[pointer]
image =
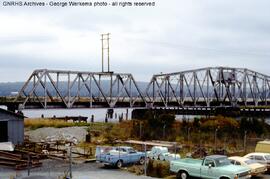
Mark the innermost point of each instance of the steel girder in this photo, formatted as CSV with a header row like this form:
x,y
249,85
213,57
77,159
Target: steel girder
x,y
68,87
212,86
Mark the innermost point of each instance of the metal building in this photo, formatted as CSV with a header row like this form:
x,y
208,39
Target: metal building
x,y
11,127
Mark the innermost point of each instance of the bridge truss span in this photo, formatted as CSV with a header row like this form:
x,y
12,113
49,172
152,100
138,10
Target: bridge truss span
x,y
212,86
73,89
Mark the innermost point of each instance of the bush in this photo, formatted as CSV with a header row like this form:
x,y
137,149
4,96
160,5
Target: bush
x,y
156,168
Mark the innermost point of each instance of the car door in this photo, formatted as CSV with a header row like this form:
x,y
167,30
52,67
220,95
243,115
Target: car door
x,y
208,171
133,156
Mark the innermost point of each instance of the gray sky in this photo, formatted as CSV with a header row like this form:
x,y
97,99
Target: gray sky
x,y
175,35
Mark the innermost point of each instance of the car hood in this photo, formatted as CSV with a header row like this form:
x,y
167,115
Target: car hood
x,y
256,166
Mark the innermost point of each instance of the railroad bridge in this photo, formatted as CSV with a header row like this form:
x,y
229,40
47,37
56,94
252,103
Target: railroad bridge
x,y
205,87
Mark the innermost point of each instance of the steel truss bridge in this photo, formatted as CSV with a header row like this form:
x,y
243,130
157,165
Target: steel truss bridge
x,y
205,87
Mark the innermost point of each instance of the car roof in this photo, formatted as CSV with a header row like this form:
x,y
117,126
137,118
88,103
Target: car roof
x,y
215,156
125,147
257,153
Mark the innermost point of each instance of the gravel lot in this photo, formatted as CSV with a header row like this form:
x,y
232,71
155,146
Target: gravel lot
x,y
53,168
58,133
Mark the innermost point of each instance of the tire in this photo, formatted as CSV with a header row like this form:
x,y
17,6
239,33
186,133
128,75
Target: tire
x,y
142,160
119,164
182,175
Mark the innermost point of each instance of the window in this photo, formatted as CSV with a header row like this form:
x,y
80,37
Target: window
x,y
250,161
232,161
131,151
222,161
257,157
267,157
208,162
237,163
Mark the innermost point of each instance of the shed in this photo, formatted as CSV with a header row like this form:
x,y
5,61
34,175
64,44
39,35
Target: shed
x,y
11,127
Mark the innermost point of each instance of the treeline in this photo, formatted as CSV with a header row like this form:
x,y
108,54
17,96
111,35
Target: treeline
x,y
164,126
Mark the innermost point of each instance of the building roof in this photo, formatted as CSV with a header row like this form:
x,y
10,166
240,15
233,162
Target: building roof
x,y
264,142
12,113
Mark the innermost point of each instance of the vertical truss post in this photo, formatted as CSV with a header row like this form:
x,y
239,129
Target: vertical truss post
x,y
207,87
255,89
167,97
79,85
265,90
245,87
69,93
181,88
130,91
90,92
153,92
99,83
234,80
57,84
194,88
111,86
45,90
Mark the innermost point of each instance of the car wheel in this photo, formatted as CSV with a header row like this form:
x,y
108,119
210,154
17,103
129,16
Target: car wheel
x,y
119,164
142,160
182,175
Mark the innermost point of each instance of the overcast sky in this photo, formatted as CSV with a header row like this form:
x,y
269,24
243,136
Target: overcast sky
x,y
175,35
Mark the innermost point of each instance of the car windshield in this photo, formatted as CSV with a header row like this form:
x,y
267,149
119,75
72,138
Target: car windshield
x,y
222,161
267,157
130,150
250,161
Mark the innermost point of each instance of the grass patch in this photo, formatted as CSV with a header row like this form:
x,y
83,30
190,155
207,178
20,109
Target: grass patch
x,y
35,123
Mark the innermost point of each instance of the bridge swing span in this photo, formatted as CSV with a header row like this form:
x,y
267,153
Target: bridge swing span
x,y
72,89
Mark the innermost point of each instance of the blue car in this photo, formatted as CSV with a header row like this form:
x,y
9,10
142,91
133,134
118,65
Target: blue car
x,y
119,156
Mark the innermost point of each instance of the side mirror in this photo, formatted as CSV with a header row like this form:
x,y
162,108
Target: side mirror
x,y
210,165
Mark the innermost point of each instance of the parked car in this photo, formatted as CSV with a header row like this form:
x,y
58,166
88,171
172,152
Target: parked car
x,y
213,166
119,156
255,167
263,146
263,158
162,153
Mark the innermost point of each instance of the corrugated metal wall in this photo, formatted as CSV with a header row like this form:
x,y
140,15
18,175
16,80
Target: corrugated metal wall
x,y
16,131
15,128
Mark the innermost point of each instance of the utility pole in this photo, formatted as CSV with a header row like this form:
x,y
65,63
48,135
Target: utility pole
x,y
140,130
216,130
245,141
105,45
70,162
145,164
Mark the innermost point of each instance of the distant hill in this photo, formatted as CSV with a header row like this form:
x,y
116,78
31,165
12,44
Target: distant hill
x,y
7,88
